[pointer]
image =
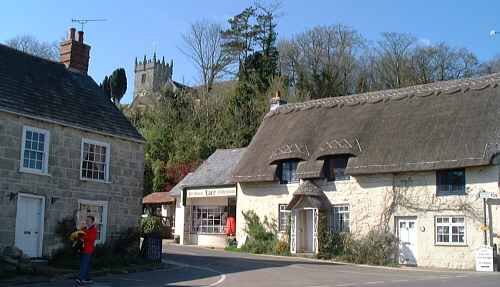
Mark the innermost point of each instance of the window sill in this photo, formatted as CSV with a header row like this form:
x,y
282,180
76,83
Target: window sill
x,y
33,171
451,244
95,180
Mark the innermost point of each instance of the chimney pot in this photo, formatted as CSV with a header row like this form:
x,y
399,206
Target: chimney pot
x,y
71,34
75,54
80,37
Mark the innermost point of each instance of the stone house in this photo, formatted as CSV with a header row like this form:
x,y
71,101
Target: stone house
x,y
65,151
413,161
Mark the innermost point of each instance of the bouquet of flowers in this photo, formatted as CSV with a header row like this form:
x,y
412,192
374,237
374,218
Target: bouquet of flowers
x,y
77,238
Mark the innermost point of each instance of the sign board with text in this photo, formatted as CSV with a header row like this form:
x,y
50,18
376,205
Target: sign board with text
x,y
211,192
484,259
488,194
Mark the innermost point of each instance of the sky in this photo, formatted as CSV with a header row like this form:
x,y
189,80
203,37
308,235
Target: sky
x,y
135,28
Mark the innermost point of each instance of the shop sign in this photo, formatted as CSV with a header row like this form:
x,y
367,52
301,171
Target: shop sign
x,y
484,259
215,192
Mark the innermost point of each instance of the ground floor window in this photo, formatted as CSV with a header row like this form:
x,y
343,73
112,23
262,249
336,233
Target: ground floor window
x,y
283,218
450,230
339,218
97,209
209,219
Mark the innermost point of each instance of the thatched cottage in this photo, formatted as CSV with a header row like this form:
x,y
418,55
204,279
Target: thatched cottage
x,y
412,161
65,151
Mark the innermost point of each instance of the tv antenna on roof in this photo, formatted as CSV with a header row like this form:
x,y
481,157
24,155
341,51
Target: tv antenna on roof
x,y
85,21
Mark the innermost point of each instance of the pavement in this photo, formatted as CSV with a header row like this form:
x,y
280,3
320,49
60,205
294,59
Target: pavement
x,y
193,266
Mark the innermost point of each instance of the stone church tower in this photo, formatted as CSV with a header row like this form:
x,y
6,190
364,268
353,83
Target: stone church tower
x,y
150,76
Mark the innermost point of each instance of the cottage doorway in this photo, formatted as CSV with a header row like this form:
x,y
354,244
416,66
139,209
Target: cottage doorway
x,y
29,224
407,234
305,231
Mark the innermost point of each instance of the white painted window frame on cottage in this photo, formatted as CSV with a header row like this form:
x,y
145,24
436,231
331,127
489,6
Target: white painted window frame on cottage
x,y
450,225
104,218
108,154
283,215
45,160
334,219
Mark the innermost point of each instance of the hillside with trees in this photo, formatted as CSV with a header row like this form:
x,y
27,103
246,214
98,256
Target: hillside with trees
x,y
243,63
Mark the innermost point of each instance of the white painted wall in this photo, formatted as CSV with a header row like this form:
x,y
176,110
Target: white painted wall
x,y
368,196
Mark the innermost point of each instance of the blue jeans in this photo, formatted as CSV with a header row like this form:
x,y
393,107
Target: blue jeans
x,y
84,266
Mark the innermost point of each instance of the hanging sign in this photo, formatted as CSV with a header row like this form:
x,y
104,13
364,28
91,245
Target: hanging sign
x,y
211,192
488,194
484,259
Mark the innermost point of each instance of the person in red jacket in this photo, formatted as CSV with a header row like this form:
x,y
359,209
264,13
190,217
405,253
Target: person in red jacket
x,y
88,248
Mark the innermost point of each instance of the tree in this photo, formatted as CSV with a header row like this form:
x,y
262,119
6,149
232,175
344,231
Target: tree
x,y
203,45
118,84
322,61
31,45
105,86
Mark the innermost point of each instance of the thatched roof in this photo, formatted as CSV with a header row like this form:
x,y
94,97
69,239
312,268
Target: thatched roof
x,y
441,125
308,194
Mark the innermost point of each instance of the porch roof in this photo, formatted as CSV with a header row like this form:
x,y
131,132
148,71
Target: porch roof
x,y
158,197
308,194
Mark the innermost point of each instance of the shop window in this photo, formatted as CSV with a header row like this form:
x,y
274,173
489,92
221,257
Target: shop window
x,y
209,219
450,182
283,218
335,168
340,218
288,171
450,230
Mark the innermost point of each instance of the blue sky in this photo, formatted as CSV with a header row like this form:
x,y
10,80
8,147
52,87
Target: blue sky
x,y
134,28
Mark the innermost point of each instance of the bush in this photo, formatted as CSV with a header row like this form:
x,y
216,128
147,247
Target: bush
x,y
282,248
376,248
150,224
64,228
262,235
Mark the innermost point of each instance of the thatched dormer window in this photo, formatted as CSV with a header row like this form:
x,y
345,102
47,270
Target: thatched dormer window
x,y
334,168
450,181
287,171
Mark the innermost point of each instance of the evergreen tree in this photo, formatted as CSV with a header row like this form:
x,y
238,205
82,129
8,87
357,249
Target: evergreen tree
x,y
106,87
118,84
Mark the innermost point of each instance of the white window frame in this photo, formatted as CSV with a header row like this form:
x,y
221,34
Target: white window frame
x,y
198,228
104,218
282,211
334,219
108,153
45,161
450,224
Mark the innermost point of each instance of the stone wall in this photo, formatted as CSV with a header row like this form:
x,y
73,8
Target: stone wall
x,y
62,187
369,196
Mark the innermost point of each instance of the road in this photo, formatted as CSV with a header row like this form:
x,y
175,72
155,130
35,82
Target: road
x,y
191,266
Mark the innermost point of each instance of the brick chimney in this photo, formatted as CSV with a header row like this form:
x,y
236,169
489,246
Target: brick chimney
x,y
74,53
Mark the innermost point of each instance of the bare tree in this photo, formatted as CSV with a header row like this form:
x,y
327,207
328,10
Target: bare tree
x,y
31,45
203,45
321,62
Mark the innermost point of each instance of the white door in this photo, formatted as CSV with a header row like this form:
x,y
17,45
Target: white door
x,y
407,233
29,224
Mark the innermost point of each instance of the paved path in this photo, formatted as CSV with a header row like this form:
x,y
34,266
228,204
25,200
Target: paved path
x,y
190,266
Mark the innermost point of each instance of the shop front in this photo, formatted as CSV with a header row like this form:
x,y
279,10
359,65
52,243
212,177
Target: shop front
x,y
209,216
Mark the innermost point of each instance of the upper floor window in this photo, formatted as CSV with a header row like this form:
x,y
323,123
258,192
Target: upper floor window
x,y
143,78
35,150
288,171
335,168
95,160
450,181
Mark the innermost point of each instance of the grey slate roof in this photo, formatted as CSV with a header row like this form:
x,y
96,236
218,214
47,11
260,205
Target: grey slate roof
x,y
441,125
43,89
216,170
176,191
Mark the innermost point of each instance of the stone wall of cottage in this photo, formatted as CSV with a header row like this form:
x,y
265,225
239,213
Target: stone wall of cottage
x,y
369,196
62,187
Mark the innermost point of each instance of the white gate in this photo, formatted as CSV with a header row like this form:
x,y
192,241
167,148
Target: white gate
x,y
293,228
315,230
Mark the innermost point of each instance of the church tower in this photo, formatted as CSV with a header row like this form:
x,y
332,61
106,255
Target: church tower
x,y
151,75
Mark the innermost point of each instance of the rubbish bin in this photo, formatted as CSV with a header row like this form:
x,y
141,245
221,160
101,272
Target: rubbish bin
x,y
151,248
